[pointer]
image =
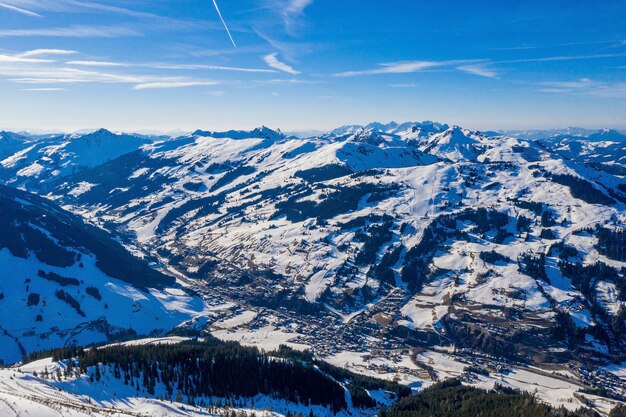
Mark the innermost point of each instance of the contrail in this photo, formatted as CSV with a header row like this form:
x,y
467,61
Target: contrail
x,y
224,23
19,10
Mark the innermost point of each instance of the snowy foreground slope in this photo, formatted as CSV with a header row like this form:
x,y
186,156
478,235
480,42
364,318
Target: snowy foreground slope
x,y
51,388
47,387
23,394
374,244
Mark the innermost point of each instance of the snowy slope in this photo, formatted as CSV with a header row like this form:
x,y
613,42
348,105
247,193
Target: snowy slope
x,y
26,391
64,283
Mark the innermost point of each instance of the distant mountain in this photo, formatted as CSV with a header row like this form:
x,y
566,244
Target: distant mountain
x,y
609,135
416,128
45,158
572,132
260,132
11,143
603,150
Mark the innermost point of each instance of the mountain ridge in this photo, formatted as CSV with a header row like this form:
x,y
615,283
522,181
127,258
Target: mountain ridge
x,y
376,239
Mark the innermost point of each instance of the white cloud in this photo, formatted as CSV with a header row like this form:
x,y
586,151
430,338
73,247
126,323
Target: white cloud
x,y
287,81
563,58
587,87
44,89
27,68
473,66
19,10
29,57
188,67
77,31
172,84
65,6
272,61
37,52
296,7
404,67
208,67
66,76
479,69
96,64
293,11
20,59
47,74
572,85
406,85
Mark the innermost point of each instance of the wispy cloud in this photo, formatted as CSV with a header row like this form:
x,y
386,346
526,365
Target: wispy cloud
x,y
74,6
559,45
20,59
586,86
479,67
481,70
44,89
292,13
287,81
30,70
173,84
168,66
38,52
19,10
404,67
63,75
273,62
403,85
563,58
96,64
289,49
77,31
89,5
30,57
209,67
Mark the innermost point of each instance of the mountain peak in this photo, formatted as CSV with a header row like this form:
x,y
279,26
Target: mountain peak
x,y
404,129
267,133
607,135
262,132
6,135
96,134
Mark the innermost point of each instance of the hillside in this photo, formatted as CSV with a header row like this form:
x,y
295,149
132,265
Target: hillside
x,y
66,282
187,377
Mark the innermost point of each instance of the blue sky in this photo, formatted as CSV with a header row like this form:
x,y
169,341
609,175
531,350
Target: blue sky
x,y
311,64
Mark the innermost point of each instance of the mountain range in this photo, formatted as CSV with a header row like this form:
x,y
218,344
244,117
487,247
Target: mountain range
x,y
405,240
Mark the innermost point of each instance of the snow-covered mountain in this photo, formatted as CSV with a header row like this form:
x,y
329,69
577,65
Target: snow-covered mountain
x,y
603,150
65,282
41,159
539,134
371,238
